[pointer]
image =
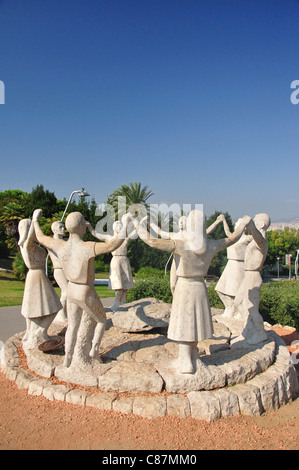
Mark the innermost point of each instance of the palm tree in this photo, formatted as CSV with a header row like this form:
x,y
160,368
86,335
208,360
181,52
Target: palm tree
x,y
10,216
132,194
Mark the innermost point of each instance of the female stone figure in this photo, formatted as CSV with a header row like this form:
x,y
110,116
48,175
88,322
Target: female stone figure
x,y
190,319
233,274
40,301
120,276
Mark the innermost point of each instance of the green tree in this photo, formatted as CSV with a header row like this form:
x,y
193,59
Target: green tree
x,y
41,198
134,193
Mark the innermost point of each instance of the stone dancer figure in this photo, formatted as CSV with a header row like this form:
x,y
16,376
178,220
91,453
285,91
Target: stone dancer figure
x,y
40,301
59,276
77,258
248,298
180,236
232,277
120,276
191,319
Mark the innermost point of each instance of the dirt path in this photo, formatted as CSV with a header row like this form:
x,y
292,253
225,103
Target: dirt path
x,y
29,422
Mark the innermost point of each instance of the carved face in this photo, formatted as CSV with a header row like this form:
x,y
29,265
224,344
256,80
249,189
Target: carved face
x,y
117,226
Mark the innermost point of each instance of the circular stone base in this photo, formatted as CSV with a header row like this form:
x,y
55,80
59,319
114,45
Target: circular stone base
x,y
136,373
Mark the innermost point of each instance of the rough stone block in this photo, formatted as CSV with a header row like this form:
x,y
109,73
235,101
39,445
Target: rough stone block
x,y
150,406
178,405
204,405
249,398
103,401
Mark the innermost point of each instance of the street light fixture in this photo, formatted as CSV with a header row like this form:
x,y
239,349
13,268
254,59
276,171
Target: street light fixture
x,y
81,193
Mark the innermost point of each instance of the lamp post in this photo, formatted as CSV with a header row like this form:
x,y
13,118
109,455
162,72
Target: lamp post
x,y
278,258
81,193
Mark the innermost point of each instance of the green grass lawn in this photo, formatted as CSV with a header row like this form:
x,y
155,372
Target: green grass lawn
x,y
11,290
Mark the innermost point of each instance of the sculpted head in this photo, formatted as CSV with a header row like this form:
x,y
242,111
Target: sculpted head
x,y
58,228
262,221
117,226
75,223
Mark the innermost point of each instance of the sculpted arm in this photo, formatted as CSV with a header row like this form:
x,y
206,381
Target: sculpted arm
x,y
236,235
258,237
48,242
98,235
219,219
115,242
158,243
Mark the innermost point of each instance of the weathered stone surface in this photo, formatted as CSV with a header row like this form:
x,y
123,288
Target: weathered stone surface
x,y
206,377
36,387
131,377
204,405
268,387
249,398
178,405
56,392
150,406
86,376
124,405
142,315
229,404
76,396
23,379
41,363
103,401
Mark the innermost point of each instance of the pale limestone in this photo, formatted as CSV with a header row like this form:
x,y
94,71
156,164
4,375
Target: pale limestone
x,y
142,315
103,401
229,404
124,405
249,398
36,387
150,406
204,405
56,392
131,377
76,397
178,405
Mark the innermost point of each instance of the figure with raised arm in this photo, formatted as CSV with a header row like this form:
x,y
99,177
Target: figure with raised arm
x,y
40,301
233,274
77,258
59,276
190,319
247,300
120,276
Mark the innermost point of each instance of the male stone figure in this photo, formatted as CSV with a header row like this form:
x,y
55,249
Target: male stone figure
x,y
191,319
77,258
248,298
59,276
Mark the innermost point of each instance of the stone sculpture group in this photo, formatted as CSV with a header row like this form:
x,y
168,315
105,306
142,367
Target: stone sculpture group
x,y
190,319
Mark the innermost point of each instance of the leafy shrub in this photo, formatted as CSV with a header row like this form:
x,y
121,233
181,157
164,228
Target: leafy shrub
x,y
100,266
19,268
159,288
280,303
149,273
214,298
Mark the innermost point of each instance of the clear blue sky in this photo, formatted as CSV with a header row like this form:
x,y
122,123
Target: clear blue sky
x,y
189,97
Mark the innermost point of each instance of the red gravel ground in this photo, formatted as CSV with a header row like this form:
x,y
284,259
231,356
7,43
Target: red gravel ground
x,y
29,422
